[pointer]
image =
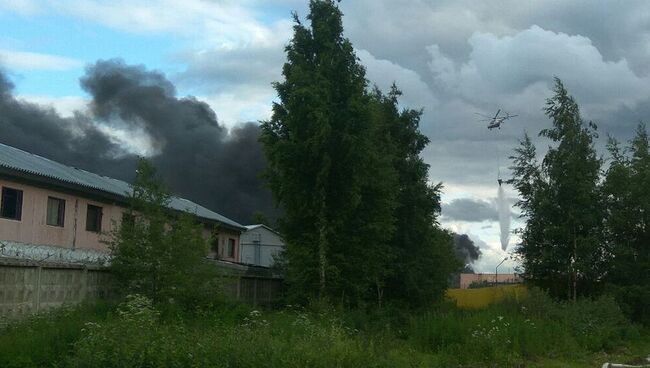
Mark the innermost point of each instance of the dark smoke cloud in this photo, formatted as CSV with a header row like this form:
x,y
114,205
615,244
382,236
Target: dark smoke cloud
x,y
74,141
198,158
466,250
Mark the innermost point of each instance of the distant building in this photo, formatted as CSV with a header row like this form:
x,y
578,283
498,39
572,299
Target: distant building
x,y
259,244
51,210
466,279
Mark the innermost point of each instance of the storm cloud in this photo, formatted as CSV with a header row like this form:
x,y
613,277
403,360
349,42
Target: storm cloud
x,y
470,210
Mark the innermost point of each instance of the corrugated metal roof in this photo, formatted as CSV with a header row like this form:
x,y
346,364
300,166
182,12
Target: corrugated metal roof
x,y
253,227
16,159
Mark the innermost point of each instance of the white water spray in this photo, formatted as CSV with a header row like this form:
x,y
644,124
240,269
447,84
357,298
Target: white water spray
x,y
504,218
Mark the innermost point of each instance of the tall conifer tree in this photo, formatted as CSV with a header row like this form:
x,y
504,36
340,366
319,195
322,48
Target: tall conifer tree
x,y
326,167
345,166
423,255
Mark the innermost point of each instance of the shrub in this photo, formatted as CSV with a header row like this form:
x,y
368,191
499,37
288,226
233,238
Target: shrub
x,y
634,301
479,284
158,252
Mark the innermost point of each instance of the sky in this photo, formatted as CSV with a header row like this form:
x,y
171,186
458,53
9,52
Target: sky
x,y
451,58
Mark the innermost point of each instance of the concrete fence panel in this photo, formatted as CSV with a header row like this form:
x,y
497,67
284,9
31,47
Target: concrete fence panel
x,y
28,287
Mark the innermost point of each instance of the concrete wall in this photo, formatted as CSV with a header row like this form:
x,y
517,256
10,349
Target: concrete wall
x,y
27,288
466,279
259,245
33,229
253,290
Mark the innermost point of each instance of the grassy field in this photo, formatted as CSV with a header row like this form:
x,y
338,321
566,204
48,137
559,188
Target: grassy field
x,y
482,297
535,332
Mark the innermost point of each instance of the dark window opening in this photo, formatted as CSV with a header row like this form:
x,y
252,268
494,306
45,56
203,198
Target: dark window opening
x,y
12,203
94,218
231,248
55,211
215,247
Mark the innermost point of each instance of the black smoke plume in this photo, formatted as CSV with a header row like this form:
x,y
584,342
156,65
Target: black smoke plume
x,y
198,158
466,251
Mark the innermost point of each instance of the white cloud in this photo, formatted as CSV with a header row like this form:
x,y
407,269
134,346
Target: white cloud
x,y
224,24
416,93
491,256
488,241
500,68
64,106
242,104
25,7
132,141
20,60
219,70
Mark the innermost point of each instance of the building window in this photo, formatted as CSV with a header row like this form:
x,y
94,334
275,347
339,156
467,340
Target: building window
x,y
94,218
12,203
231,248
55,211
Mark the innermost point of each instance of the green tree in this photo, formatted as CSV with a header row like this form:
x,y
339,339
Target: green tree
x,y
562,244
422,253
327,169
156,251
537,258
626,192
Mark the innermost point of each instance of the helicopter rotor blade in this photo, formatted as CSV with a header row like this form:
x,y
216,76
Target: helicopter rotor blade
x,y
497,114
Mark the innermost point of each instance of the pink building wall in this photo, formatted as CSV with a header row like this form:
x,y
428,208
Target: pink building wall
x,y
219,246
32,228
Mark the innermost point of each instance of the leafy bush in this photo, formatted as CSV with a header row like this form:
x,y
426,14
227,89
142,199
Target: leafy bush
x,y
479,284
634,301
158,252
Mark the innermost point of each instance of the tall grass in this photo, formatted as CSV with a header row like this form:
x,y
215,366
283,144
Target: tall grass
x,y
137,334
47,338
512,332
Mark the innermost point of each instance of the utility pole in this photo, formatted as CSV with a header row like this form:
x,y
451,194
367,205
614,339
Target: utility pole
x,y
496,271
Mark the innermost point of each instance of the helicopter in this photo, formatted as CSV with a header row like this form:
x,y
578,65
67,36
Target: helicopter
x,y
496,121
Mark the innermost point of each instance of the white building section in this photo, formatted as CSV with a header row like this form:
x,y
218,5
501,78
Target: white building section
x,y
259,244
